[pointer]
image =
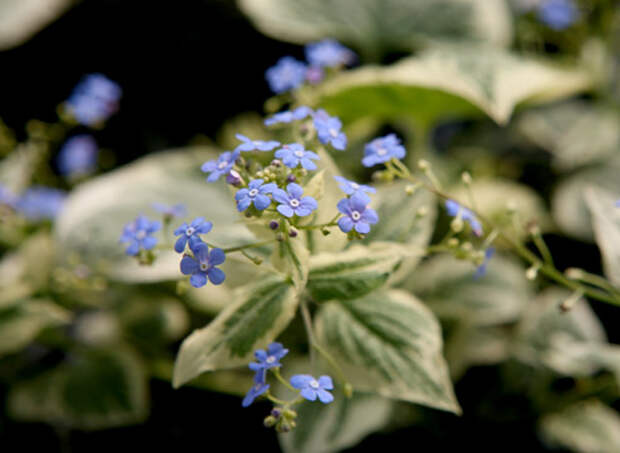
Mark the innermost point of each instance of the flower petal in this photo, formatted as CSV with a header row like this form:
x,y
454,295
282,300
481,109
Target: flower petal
x,y
217,256
198,280
189,265
179,245
216,275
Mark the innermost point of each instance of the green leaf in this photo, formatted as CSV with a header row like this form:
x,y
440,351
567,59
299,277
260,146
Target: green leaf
x,y
257,315
452,81
338,425
588,427
92,389
21,323
291,258
154,319
388,343
448,287
606,224
95,213
353,273
375,26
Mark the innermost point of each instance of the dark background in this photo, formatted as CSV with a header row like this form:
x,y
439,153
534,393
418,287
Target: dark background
x,y
185,67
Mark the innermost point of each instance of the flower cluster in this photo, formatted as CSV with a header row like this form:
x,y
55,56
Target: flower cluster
x,y
356,213
139,235
94,99
382,150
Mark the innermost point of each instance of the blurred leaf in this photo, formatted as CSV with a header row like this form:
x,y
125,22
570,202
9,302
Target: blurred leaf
x,y
338,425
154,319
91,389
16,169
376,26
576,133
587,427
448,287
95,213
291,258
21,323
606,223
388,343
257,315
353,273
449,81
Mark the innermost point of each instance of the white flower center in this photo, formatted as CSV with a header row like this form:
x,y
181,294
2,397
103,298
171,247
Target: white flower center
x,y
204,266
190,231
222,165
355,215
270,359
253,193
299,153
382,151
355,186
294,203
314,384
333,133
141,234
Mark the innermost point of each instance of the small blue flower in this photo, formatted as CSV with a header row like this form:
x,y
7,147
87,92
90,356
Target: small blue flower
x,y
257,390
482,269
221,166
202,266
94,99
266,360
298,114
328,52
315,75
328,130
312,388
357,214
292,203
7,197
40,203
251,145
177,210
350,187
78,156
558,14
454,209
383,149
255,193
138,234
287,74
191,233
294,154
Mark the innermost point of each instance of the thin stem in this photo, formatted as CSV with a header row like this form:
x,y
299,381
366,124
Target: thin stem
x,y
305,315
540,244
276,373
275,400
247,246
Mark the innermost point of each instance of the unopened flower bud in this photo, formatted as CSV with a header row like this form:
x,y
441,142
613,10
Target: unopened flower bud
x,y
453,242
574,273
466,177
422,211
325,231
467,247
279,237
291,178
457,224
269,421
276,163
276,412
290,414
410,189
532,272
234,178
292,233
572,300
274,225
423,164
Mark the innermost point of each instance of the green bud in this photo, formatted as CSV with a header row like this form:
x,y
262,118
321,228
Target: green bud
x,y
270,421
348,390
453,242
325,231
410,189
466,177
423,164
289,414
457,224
532,272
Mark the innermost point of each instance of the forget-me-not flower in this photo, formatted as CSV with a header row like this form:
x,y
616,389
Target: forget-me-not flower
x,y
255,193
294,154
328,52
287,74
328,130
266,360
177,210
138,235
312,388
221,166
357,214
255,391
454,209
482,269
7,197
94,99
251,145
558,14
292,202
191,233
350,187
78,156
288,116
383,149
202,266
40,203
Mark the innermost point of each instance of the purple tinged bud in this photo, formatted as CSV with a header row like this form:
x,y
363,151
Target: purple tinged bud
x,y
234,178
291,178
276,163
274,225
293,233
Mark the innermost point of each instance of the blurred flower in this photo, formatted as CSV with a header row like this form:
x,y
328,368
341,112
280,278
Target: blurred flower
x,y
558,14
202,266
482,269
315,75
350,187
257,390
221,166
287,74
255,193
292,203
454,209
78,156
251,145
138,235
191,233
7,197
94,99
177,210
293,154
356,214
328,130
312,388
286,117
328,52
40,203
267,359
383,149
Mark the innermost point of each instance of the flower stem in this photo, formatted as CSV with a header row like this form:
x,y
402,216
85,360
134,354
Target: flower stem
x,y
276,373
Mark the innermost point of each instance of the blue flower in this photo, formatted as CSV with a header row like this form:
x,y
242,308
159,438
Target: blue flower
x,y
177,210
191,233
454,209
267,359
40,203
482,269
294,154
312,388
202,266
328,52
94,99
255,193
7,197
78,156
257,390
251,145
298,114
221,166
383,149
357,214
328,130
138,234
287,74
350,187
292,203
558,14
315,75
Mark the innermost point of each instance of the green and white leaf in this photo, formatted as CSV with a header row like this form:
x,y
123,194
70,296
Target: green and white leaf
x,y
450,81
95,213
388,343
95,389
256,316
448,287
585,427
292,258
354,272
